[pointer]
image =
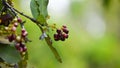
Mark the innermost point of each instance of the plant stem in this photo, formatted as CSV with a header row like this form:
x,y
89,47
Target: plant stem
x,y
21,13
47,39
32,19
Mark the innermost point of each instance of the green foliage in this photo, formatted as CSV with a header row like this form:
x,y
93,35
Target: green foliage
x,y
1,4
106,3
9,54
39,10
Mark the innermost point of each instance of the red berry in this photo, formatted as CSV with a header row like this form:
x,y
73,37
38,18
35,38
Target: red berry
x,y
19,20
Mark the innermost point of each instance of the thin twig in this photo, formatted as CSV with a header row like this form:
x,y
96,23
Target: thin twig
x,y
21,13
32,19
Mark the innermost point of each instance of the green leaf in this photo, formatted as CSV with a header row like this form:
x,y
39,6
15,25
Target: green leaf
x,y
42,20
106,3
1,5
40,13
39,10
9,53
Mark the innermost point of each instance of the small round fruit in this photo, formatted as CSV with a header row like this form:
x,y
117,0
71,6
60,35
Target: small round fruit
x,y
22,44
15,24
64,26
18,38
56,37
19,20
20,49
24,49
58,31
65,35
62,38
10,39
65,30
13,28
23,30
24,34
17,45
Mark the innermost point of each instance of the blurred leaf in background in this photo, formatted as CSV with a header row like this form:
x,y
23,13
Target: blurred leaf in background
x,y
81,50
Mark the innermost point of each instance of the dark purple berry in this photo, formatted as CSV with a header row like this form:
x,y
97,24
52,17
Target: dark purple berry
x,y
65,30
22,45
23,30
65,35
20,49
24,49
59,35
24,34
62,38
19,20
56,37
11,38
64,26
5,19
17,45
58,31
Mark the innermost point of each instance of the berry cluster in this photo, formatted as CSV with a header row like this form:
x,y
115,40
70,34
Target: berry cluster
x,y
18,39
5,19
61,34
20,46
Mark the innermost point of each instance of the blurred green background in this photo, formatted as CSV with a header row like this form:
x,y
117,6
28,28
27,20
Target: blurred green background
x,y
94,36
